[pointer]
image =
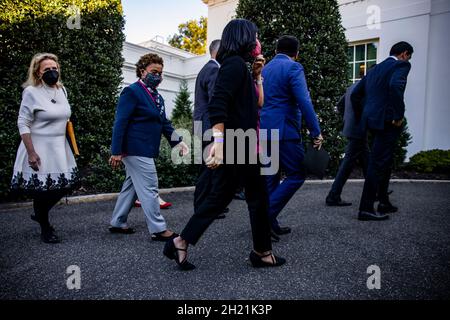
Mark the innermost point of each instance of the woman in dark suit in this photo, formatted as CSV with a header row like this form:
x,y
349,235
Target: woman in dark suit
x,y
233,106
140,121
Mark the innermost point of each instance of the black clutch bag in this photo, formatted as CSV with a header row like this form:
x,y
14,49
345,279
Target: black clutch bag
x,y
316,161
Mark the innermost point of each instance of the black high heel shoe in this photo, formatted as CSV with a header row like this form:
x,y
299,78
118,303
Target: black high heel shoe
x,y
258,262
171,252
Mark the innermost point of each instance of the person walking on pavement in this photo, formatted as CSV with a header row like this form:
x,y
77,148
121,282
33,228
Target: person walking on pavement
x,y
378,102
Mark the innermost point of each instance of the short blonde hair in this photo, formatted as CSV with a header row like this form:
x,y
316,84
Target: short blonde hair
x,y
33,76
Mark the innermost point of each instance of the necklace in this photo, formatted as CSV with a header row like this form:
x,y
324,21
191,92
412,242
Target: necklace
x,y
54,96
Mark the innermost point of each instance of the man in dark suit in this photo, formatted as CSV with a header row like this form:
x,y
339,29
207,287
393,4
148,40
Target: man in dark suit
x,y
356,149
204,87
378,103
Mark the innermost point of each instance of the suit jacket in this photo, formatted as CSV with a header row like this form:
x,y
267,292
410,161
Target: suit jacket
x,y
379,96
204,87
351,127
287,100
139,124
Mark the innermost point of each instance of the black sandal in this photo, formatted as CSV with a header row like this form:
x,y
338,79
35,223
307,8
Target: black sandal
x,y
258,262
171,252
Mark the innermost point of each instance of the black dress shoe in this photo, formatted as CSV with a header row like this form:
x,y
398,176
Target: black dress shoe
x,y
121,230
221,216
337,202
388,193
258,262
48,235
386,208
371,216
282,230
273,236
239,195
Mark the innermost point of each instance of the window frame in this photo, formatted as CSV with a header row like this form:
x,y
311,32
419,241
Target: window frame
x,y
354,62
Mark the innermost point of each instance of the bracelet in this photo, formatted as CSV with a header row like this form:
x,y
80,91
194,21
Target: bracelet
x,y
217,134
218,140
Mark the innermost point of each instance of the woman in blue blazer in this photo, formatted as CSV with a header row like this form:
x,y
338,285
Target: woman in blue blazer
x,y
140,120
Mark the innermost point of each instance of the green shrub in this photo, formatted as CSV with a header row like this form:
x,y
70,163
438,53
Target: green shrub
x,y
99,176
431,161
400,149
182,110
91,62
176,175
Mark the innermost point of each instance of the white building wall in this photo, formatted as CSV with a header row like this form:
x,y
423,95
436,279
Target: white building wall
x,y
220,12
437,115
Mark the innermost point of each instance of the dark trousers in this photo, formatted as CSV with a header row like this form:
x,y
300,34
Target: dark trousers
x,y
355,150
43,203
379,167
215,190
291,154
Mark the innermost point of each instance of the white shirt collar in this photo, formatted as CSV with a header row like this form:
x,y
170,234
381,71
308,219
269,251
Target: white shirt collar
x,y
216,62
394,57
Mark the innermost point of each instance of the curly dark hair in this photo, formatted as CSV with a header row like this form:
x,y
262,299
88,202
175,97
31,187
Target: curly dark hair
x,y
146,60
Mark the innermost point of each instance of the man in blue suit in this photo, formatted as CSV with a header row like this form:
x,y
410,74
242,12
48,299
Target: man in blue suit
x,y
379,106
286,101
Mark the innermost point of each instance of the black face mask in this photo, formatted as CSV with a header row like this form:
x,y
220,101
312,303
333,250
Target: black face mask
x,y
50,77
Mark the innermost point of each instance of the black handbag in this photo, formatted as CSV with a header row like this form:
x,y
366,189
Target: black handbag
x,y
316,161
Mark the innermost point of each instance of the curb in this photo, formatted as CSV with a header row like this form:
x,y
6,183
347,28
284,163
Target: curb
x,y
88,198
113,196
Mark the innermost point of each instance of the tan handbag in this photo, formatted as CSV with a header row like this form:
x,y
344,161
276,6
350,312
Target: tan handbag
x,y
71,138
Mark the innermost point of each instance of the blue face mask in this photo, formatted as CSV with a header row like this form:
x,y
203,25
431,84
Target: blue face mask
x,y
152,80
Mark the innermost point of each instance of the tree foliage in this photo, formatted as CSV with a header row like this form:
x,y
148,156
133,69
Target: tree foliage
x,y
183,104
191,36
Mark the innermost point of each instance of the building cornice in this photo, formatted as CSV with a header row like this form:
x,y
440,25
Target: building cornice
x,y
210,3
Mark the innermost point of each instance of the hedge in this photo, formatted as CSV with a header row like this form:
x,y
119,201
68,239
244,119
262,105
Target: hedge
x,y
431,161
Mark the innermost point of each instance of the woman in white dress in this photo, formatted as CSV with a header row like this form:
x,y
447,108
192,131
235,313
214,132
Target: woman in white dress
x,y
45,167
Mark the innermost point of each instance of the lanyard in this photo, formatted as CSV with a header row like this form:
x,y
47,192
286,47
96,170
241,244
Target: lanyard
x,y
149,93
